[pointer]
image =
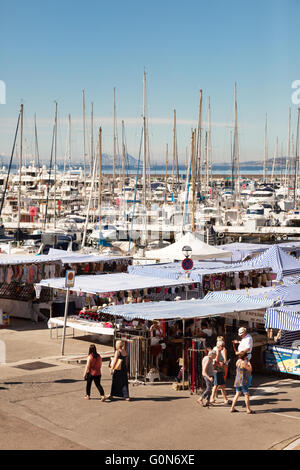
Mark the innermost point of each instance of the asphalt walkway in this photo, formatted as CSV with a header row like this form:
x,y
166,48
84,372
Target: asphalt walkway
x,y
42,405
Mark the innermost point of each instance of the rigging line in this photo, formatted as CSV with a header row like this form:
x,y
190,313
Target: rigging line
x,y
10,163
188,191
135,189
36,143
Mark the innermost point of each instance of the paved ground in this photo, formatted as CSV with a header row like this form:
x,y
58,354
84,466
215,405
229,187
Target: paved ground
x,y
45,408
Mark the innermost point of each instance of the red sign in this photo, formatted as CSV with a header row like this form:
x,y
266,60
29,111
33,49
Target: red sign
x,y
33,210
187,264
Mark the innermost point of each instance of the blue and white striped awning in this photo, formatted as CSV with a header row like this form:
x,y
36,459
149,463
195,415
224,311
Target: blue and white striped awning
x,y
184,309
200,269
241,250
291,280
283,318
239,296
275,258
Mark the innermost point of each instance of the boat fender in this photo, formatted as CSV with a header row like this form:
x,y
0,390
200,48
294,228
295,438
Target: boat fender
x,y
220,234
284,237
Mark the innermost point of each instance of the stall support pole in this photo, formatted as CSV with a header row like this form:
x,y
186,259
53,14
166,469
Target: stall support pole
x,y
65,321
50,319
115,333
183,336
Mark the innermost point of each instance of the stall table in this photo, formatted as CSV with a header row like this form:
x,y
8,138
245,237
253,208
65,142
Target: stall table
x,y
78,324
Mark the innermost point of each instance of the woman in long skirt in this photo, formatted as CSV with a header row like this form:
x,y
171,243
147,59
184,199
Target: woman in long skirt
x,y
119,386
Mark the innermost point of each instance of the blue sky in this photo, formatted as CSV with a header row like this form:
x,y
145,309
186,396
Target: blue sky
x,y
52,50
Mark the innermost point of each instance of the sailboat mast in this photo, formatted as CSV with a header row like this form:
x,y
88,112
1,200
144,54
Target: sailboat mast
x,y
92,138
296,162
36,145
275,158
123,160
166,175
144,163
174,153
236,164
115,141
55,157
266,149
206,162
198,147
193,179
84,142
287,165
145,143
209,147
100,179
20,166
70,151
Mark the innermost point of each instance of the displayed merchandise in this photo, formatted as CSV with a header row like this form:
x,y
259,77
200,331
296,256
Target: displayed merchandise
x,y
195,356
137,348
236,280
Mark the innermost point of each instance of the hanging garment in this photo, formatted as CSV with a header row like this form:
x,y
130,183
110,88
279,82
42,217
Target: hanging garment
x,y
39,272
2,272
31,274
9,275
46,271
52,270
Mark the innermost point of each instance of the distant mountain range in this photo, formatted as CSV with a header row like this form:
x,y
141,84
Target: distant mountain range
x,y
107,161
132,162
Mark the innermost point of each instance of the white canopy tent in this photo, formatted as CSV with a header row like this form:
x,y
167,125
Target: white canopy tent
x,y
101,284
200,250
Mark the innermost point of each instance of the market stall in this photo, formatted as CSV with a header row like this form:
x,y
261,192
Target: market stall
x,y
18,274
284,354
119,288
239,251
212,276
183,324
272,265
17,277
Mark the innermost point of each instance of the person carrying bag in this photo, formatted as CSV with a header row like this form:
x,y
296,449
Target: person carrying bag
x,y
119,386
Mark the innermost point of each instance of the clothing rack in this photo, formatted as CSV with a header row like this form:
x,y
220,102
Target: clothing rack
x,y
195,356
138,350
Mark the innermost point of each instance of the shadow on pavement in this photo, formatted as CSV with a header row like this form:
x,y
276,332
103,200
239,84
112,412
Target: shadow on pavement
x,y
279,410
59,381
154,398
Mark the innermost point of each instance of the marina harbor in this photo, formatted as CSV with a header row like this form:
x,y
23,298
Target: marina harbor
x,y
149,230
